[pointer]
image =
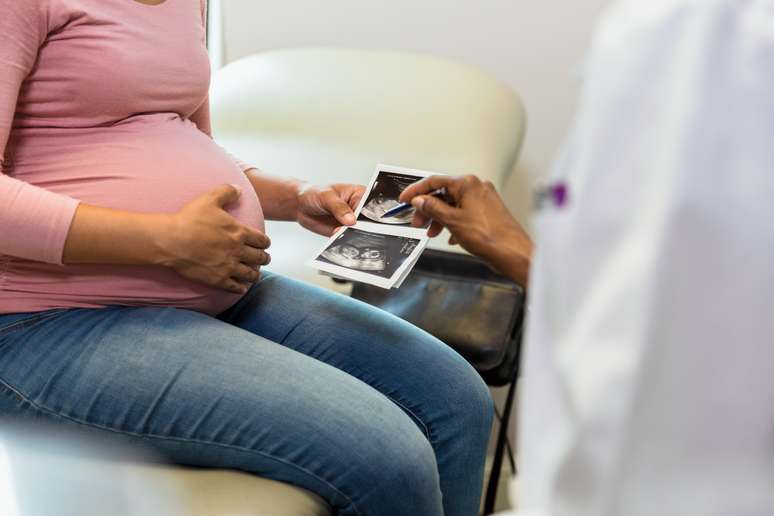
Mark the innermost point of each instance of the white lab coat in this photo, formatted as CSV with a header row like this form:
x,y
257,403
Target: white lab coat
x,y
649,367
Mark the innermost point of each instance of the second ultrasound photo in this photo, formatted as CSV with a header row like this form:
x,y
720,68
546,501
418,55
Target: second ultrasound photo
x,y
372,253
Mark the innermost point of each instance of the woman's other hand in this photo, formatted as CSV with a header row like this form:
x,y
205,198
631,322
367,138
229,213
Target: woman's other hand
x,y
479,221
324,209
206,244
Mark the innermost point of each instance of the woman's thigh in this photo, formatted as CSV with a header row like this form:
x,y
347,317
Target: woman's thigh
x,y
414,369
204,392
433,384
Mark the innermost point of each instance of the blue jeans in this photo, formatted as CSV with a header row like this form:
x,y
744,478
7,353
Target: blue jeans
x,y
293,383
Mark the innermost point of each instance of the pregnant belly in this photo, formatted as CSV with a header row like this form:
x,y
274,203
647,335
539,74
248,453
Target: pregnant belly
x,y
152,164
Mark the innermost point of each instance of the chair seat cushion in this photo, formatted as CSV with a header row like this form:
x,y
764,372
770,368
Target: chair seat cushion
x,y
230,493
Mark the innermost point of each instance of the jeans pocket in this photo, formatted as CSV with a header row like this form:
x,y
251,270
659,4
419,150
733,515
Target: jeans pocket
x,y
11,323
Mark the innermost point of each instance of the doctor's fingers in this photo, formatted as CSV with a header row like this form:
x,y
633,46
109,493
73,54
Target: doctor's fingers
x,y
435,229
436,209
456,187
427,185
421,221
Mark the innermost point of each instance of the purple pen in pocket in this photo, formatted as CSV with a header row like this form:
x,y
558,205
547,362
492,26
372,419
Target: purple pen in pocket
x,y
557,195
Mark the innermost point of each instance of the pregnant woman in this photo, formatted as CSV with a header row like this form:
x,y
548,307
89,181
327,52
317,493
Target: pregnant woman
x,y
131,302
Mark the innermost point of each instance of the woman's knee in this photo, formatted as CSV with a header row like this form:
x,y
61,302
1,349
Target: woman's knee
x,y
398,469
467,395
370,455
438,382
478,398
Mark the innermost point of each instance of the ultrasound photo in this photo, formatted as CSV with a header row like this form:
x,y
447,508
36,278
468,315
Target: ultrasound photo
x,y
369,252
378,251
384,196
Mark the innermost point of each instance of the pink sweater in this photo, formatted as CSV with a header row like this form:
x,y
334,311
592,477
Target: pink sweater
x,y
103,102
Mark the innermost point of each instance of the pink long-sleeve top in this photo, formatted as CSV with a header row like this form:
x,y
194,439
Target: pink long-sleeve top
x,y
103,102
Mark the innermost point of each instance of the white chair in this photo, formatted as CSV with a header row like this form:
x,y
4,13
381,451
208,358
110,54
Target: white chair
x,y
58,474
330,115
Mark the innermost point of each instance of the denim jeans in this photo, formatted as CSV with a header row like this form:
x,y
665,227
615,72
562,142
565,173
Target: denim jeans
x,y
293,383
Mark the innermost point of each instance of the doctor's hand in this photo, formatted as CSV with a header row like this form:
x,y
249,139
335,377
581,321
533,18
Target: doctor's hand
x,y
478,220
324,209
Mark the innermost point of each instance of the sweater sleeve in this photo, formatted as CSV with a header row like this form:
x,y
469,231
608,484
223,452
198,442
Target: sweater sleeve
x,y
34,222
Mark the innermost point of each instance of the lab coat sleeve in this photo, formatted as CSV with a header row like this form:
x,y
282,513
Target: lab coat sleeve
x,y
648,375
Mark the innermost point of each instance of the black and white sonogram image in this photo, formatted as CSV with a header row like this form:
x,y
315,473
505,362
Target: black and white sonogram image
x,y
369,252
384,196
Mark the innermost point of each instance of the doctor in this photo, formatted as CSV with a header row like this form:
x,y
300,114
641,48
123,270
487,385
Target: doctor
x,y
649,373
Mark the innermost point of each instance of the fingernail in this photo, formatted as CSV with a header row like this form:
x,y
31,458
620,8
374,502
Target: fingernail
x,y
418,202
238,188
349,218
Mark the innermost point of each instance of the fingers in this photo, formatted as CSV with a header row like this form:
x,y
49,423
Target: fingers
x,y
245,274
241,275
420,220
254,257
354,201
234,286
434,230
435,209
256,238
351,194
225,195
325,226
426,186
337,207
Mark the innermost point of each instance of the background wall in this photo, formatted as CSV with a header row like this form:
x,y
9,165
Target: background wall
x,y
534,46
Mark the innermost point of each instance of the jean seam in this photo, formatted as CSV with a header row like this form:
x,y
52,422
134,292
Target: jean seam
x,y
34,318
176,439
428,433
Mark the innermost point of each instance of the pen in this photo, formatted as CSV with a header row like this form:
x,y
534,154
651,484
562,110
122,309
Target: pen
x,y
440,193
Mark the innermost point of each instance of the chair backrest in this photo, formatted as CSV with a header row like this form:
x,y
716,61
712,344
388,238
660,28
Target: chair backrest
x,y
355,108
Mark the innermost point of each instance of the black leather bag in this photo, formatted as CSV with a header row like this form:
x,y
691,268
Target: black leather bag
x,y
458,299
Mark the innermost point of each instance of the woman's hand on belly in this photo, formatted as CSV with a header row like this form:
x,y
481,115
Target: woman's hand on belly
x,y
204,243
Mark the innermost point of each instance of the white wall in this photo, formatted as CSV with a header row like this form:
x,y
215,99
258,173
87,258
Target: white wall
x,y
534,46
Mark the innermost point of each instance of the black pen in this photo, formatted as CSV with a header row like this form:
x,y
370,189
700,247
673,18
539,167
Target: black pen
x,y
440,193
